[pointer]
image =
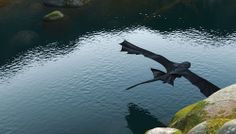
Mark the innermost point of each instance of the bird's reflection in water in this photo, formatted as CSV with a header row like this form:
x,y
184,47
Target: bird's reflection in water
x,y
140,120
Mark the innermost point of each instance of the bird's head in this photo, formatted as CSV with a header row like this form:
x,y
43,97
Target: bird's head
x,y
185,64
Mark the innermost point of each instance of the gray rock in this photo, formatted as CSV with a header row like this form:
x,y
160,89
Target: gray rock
x,y
228,128
221,104
209,126
160,130
199,129
65,3
57,3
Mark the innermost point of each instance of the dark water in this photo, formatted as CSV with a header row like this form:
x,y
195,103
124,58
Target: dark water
x,y
69,76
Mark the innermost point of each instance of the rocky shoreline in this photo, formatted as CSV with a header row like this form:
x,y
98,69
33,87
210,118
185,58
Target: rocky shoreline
x,y
213,115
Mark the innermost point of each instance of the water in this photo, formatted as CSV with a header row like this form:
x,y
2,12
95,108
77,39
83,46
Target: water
x,y
72,78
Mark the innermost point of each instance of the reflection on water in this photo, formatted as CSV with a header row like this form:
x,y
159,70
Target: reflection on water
x,y
69,76
140,120
71,89
215,17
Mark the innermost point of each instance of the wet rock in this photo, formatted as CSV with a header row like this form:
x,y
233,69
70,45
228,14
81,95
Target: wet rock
x,y
228,128
65,3
53,16
160,130
221,104
208,127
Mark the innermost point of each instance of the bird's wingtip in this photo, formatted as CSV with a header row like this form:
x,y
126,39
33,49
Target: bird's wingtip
x,y
128,88
123,42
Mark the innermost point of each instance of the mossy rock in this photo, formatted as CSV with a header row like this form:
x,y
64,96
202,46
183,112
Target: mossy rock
x,y
162,130
209,127
221,104
189,117
53,16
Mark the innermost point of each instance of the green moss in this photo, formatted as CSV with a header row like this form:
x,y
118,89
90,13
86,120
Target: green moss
x,y
189,117
182,113
55,15
214,124
177,132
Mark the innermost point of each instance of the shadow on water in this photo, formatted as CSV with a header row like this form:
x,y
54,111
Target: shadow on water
x,y
22,30
140,120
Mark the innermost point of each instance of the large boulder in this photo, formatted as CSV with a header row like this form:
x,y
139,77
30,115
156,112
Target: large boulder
x,y
65,3
221,104
228,128
162,130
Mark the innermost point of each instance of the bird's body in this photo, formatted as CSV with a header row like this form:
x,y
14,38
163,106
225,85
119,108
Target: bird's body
x,y
173,70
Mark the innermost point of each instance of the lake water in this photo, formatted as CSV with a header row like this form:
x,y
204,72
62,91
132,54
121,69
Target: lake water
x,y
71,76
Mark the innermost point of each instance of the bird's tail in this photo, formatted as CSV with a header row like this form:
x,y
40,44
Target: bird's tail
x,y
166,79
141,83
170,80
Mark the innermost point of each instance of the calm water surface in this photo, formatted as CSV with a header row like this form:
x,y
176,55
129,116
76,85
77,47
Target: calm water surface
x,y
77,84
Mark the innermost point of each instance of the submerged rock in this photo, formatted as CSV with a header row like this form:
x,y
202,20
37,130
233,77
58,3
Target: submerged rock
x,y
53,16
228,128
221,104
65,3
160,130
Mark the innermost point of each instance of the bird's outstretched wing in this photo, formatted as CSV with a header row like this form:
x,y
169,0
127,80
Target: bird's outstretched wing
x,y
132,49
206,87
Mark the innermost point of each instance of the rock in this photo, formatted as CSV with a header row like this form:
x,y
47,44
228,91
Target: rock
x,y
221,104
53,16
56,3
65,3
228,128
199,129
209,126
188,117
160,130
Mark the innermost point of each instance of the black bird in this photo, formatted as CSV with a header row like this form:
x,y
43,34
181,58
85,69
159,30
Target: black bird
x,y
173,70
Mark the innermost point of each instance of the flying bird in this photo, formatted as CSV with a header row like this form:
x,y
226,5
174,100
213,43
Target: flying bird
x,y
173,70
